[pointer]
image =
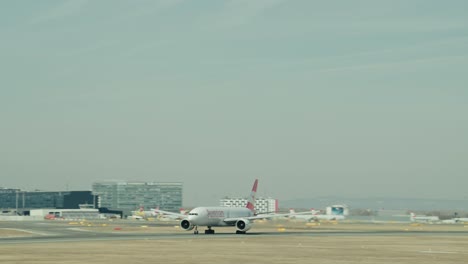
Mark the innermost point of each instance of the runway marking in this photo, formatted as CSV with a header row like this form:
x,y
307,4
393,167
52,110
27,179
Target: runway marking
x,y
26,231
79,229
441,252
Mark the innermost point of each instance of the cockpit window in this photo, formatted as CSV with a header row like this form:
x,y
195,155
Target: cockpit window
x,y
193,214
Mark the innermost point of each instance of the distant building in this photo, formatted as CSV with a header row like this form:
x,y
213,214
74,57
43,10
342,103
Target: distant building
x,y
337,210
26,200
66,214
127,196
262,205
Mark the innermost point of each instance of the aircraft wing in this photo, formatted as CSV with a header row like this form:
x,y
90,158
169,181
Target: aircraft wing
x,y
265,216
169,213
305,213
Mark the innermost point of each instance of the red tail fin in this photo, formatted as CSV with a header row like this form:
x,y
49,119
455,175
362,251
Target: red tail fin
x,y
251,201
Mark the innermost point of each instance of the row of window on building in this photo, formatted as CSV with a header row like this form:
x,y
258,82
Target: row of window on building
x,y
127,196
117,195
262,205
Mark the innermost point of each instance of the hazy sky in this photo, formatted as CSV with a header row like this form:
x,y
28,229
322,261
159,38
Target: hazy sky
x,y
359,98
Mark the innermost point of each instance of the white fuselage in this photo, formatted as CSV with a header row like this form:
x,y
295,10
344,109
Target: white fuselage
x,y
215,216
424,219
455,221
329,217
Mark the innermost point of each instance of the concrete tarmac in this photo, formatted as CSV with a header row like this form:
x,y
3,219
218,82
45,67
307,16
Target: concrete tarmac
x,y
267,242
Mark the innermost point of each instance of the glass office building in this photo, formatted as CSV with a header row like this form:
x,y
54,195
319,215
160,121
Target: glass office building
x,y
25,200
129,196
262,205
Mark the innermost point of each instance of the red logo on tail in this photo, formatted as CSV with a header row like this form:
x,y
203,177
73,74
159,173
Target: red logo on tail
x,y
251,201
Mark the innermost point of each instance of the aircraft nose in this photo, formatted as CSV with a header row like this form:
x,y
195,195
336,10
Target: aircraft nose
x,y
194,216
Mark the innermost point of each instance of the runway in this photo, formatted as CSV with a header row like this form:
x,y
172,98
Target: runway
x,y
65,231
123,242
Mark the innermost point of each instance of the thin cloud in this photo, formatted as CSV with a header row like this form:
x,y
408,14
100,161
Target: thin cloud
x,y
240,12
151,8
398,64
60,11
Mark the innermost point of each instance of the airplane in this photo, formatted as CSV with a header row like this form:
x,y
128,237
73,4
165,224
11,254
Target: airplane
x,y
423,218
461,219
449,221
457,220
435,219
239,217
314,215
167,217
141,214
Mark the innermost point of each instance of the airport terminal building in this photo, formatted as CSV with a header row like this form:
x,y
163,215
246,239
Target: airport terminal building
x,y
23,201
128,196
262,205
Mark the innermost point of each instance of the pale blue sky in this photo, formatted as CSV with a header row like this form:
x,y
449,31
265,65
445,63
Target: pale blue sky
x,y
363,98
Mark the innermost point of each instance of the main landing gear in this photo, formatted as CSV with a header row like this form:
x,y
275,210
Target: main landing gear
x,y
209,231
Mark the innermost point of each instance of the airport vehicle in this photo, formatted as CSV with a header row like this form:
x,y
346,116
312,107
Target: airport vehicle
x,y
135,217
314,215
142,213
423,218
50,217
239,217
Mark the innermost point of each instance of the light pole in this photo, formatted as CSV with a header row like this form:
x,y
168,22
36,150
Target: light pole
x,y
16,212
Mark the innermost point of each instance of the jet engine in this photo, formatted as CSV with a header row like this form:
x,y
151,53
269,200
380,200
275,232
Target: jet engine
x,y
185,224
243,225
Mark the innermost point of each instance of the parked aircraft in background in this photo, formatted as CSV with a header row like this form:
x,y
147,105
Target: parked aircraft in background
x,y
423,218
168,217
461,219
314,215
239,217
457,220
141,213
436,220
448,221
